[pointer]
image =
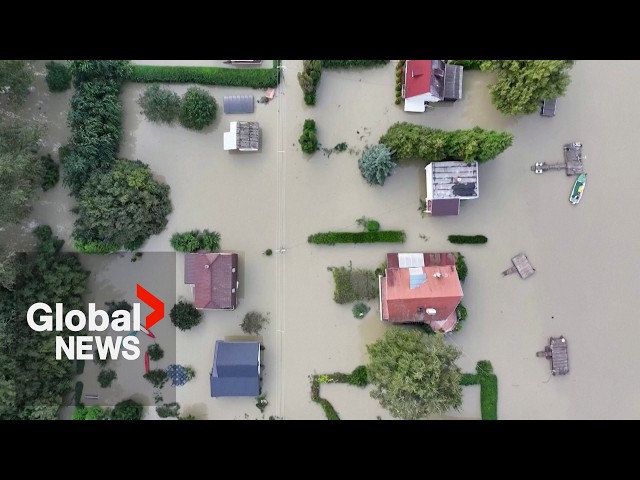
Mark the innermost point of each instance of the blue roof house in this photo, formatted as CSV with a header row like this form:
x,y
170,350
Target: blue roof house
x,y
236,369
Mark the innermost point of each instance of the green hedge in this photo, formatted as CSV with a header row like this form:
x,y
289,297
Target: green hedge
x,y
353,63
488,382
309,138
229,77
331,238
461,267
79,367
467,239
359,377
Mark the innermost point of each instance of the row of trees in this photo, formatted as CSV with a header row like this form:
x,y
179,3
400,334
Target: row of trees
x,y
32,381
409,141
120,204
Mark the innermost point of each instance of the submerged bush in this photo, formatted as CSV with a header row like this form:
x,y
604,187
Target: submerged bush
x,y
331,238
159,104
58,76
50,172
359,310
376,164
198,109
196,240
467,239
309,138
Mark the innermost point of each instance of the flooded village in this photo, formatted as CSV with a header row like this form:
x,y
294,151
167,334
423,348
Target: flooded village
x,y
543,275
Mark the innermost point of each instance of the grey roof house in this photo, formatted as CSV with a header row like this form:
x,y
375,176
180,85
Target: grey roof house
x,y
236,369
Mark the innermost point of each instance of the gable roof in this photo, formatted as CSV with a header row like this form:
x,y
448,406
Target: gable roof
x,y
417,77
236,369
214,277
420,287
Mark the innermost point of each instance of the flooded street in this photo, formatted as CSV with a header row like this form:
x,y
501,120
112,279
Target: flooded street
x,y
584,255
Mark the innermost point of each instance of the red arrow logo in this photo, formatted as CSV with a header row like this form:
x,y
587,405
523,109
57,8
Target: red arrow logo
x,y
154,302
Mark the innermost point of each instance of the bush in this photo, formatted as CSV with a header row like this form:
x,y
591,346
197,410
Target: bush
x,y
359,377
156,377
95,247
79,367
185,316
253,323
353,285
468,64
113,306
331,238
268,252
58,76
155,352
368,224
195,240
469,379
309,78
309,138
262,402
94,413
461,267
461,314
106,378
353,63
198,109
50,172
360,310
78,394
376,164
229,77
79,413
168,410
127,410
159,104
467,239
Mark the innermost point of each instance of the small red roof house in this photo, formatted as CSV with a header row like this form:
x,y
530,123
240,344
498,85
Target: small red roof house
x,y
421,288
430,81
213,278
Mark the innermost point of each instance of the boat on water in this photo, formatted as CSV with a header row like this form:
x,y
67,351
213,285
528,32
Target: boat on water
x,y
578,189
147,332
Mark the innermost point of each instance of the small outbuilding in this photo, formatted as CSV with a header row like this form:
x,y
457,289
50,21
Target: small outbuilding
x,y
243,136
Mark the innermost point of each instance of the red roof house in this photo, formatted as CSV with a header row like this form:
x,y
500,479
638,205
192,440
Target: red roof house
x,y
428,81
421,288
213,278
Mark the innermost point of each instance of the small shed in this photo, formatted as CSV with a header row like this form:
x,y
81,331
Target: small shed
x,y
243,136
238,103
548,107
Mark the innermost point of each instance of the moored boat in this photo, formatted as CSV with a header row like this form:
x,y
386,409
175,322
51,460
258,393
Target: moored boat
x,y
578,189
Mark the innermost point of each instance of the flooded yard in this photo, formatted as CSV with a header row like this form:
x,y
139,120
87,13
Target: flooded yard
x,y
584,255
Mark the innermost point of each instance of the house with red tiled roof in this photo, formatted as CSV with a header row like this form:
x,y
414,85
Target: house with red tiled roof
x,y
421,288
429,81
213,278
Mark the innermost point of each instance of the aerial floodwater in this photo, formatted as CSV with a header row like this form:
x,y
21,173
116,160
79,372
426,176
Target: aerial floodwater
x,y
584,255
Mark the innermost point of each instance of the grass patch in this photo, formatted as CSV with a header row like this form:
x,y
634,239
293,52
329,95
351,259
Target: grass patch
x,y
358,378
353,285
488,382
467,239
331,238
228,77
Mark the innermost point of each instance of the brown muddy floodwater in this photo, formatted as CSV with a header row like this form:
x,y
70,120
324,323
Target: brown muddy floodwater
x,y
584,255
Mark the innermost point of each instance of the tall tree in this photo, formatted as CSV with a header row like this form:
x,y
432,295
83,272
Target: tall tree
x,y
415,374
20,168
32,381
523,84
16,76
122,207
8,268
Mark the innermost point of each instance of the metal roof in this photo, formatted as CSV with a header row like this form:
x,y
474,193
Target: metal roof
x,y
238,103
